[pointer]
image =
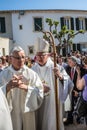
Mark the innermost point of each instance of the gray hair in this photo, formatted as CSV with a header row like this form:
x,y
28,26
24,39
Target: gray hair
x,y
16,49
74,59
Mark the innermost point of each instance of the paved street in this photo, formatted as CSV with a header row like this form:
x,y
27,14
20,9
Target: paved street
x,y
76,127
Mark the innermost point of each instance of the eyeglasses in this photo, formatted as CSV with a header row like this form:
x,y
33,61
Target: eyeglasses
x,y
42,55
19,58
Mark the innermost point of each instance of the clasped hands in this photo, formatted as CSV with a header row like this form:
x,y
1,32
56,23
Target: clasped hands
x,y
16,82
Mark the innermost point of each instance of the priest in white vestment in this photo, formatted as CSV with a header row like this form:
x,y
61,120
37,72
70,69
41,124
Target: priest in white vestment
x,y
24,91
46,115
5,117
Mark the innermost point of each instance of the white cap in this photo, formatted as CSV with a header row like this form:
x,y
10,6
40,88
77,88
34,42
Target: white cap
x,y
41,46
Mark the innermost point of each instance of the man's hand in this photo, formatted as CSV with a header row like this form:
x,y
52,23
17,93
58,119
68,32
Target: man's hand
x,y
16,82
46,88
57,73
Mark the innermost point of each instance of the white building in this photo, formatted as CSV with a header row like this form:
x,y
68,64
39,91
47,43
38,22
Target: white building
x,y
5,46
24,26
6,34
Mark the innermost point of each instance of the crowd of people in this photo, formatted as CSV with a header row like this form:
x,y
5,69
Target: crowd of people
x,y
27,89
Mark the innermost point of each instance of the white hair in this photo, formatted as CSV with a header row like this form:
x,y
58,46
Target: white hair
x,y
16,49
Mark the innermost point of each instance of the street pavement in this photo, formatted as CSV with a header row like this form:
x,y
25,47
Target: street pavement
x,y
76,127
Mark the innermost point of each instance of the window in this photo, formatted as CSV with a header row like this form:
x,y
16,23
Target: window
x,y
31,49
67,21
81,23
2,25
20,27
37,24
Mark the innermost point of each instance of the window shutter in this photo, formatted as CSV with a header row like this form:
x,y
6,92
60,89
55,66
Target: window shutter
x,y
62,21
72,24
74,47
78,47
85,23
77,23
3,29
38,24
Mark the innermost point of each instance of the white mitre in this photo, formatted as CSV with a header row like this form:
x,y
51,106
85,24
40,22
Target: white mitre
x,y
41,46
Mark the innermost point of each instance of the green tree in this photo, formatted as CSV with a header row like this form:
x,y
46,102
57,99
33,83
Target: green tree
x,y
64,36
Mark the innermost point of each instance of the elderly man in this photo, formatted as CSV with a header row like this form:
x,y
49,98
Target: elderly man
x,y
46,115
71,70
24,91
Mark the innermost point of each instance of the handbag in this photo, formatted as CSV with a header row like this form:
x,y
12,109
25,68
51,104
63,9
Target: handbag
x,y
81,107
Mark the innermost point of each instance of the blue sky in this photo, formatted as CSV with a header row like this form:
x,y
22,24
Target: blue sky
x,y
43,4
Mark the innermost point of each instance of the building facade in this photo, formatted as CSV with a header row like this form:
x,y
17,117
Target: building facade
x,y
23,26
6,34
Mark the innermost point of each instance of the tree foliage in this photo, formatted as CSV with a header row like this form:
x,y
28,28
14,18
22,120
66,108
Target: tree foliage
x,y
64,36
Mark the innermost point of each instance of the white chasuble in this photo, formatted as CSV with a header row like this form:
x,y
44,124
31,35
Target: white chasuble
x,y
46,115
5,117
21,103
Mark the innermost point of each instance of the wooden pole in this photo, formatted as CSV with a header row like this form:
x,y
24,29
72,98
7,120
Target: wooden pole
x,y
56,84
